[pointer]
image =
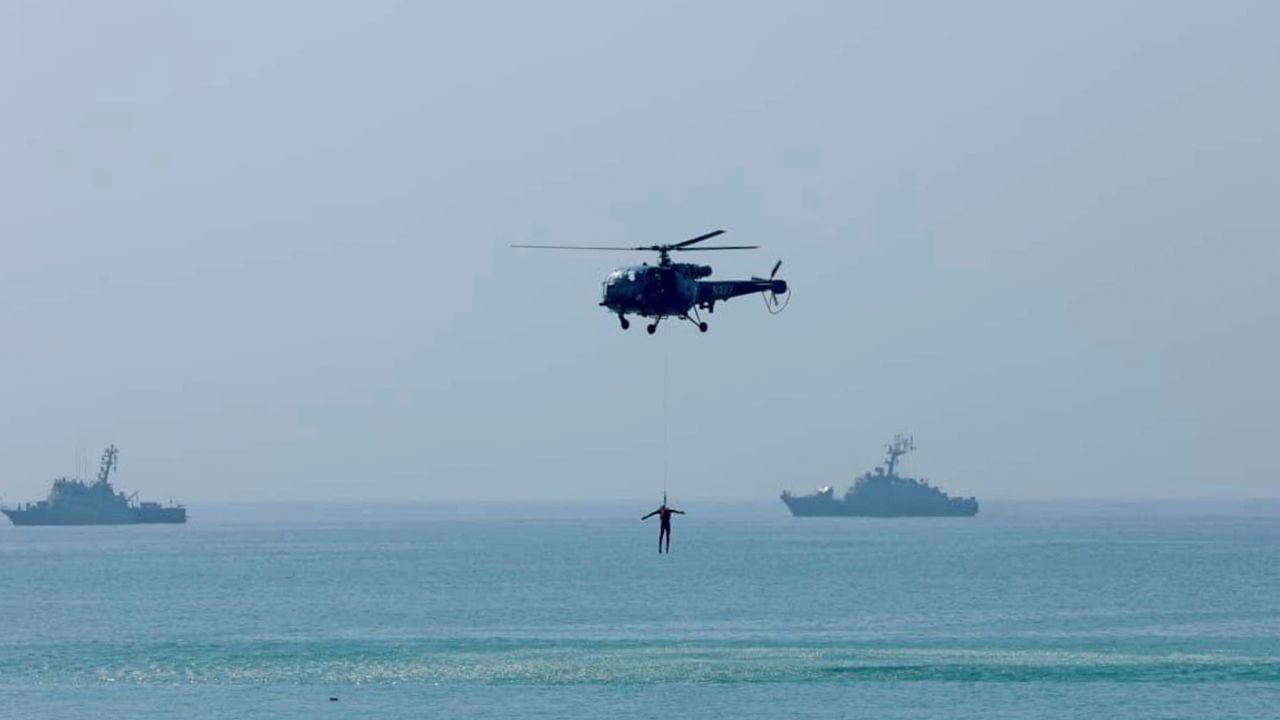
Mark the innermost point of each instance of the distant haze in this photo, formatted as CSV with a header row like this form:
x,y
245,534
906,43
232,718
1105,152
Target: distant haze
x,y
262,247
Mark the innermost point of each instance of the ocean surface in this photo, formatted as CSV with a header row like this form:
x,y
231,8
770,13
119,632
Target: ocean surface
x,y
1049,610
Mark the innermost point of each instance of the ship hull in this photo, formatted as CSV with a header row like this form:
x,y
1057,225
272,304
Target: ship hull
x,y
160,516
823,505
135,516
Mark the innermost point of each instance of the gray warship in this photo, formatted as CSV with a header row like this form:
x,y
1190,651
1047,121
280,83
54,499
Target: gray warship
x,y
883,493
76,502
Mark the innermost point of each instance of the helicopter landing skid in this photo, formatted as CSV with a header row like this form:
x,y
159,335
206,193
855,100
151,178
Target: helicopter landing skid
x,y
693,316
696,319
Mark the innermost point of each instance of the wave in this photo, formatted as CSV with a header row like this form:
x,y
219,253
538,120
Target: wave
x,y
604,662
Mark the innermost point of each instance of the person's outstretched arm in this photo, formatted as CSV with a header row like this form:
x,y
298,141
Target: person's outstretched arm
x,y
646,517
678,512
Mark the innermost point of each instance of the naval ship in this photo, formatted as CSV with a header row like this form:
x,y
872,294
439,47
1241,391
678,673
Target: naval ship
x,y
76,502
883,493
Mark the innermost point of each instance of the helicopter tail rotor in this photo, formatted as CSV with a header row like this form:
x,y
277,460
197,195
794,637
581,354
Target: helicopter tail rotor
x,y
776,287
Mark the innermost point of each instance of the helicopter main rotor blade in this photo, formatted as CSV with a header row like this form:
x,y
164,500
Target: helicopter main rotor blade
x,y
717,247
682,246
698,239
578,247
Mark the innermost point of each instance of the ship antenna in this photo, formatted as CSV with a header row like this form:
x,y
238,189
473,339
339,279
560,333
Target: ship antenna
x,y
901,445
108,464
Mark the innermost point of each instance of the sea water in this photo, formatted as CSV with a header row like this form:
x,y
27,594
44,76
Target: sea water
x,y
1025,611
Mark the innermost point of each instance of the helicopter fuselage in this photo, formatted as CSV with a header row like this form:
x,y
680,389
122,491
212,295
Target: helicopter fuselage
x,y
674,290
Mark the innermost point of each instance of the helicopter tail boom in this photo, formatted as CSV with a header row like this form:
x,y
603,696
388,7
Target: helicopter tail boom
x,y
710,291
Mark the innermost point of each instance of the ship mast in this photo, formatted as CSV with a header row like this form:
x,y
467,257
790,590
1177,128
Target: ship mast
x,y
108,464
901,445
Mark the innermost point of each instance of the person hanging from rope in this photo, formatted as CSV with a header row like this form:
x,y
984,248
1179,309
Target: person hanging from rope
x,y
664,514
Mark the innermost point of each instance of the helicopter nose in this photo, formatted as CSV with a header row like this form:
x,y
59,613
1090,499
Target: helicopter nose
x,y
779,287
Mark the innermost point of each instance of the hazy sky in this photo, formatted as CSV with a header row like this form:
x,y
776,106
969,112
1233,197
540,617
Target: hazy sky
x,y
262,247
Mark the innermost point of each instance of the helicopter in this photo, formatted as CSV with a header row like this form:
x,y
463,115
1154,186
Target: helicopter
x,y
675,290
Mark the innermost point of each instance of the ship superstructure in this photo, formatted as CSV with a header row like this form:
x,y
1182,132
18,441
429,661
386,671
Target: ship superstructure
x,y
883,493
77,502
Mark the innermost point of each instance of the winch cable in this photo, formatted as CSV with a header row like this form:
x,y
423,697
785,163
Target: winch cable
x,y
666,384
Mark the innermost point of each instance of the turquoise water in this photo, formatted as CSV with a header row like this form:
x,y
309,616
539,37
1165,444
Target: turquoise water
x,y
1027,611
